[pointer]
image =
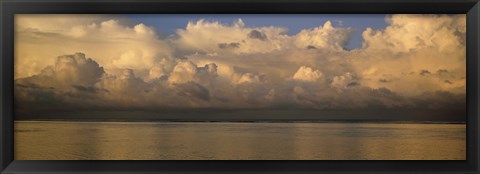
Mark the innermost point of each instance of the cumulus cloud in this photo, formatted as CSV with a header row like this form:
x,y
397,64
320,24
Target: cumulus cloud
x,y
68,70
343,81
249,78
308,74
213,65
186,71
215,37
325,36
116,43
255,34
411,48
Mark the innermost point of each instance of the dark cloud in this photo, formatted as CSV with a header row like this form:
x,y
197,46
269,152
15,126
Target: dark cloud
x,y
193,91
425,72
440,100
32,86
228,45
255,34
440,71
384,80
88,89
384,92
352,84
443,72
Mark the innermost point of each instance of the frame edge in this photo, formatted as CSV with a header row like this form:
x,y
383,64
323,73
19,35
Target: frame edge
x,y
6,104
6,92
473,37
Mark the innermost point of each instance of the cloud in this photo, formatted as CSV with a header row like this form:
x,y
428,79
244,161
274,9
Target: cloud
x,y
249,78
344,81
425,72
307,74
325,36
214,37
255,34
115,42
228,45
212,65
193,90
411,48
68,70
407,32
186,71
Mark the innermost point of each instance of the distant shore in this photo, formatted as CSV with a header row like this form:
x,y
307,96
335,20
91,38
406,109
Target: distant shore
x,y
246,121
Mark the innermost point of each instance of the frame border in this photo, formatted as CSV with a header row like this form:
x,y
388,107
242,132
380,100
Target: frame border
x,y
8,8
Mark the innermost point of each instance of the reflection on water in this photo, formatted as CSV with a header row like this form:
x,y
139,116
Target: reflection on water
x,y
223,141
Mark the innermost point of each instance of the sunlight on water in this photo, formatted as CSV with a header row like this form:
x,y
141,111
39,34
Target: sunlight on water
x,y
224,141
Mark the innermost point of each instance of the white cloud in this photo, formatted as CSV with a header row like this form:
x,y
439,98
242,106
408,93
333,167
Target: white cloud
x,y
68,70
186,71
307,74
115,43
342,81
215,37
249,78
325,36
394,57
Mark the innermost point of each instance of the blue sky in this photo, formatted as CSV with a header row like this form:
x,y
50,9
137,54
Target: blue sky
x,y
167,24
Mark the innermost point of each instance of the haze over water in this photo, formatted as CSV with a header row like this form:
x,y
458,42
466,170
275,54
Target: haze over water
x,y
55,140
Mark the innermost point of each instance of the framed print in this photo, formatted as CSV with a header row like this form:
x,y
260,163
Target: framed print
x,y
229,86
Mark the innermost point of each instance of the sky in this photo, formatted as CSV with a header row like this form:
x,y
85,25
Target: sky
x,y
296,22
375,67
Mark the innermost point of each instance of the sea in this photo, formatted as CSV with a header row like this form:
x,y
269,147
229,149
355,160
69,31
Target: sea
x,y
108,140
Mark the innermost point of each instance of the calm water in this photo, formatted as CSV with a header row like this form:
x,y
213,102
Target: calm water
x,y
272,141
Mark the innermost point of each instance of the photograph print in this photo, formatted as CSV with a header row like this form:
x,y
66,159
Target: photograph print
x,y
240,87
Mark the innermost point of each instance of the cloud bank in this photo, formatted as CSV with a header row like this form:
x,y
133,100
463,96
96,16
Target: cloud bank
x,y
105,63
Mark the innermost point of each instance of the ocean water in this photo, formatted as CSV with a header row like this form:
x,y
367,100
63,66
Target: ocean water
x,y
55,140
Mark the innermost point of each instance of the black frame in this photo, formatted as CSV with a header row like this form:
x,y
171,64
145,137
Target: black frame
x,y
10,7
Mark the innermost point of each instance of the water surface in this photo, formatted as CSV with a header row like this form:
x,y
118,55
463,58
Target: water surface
x,y
56,140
